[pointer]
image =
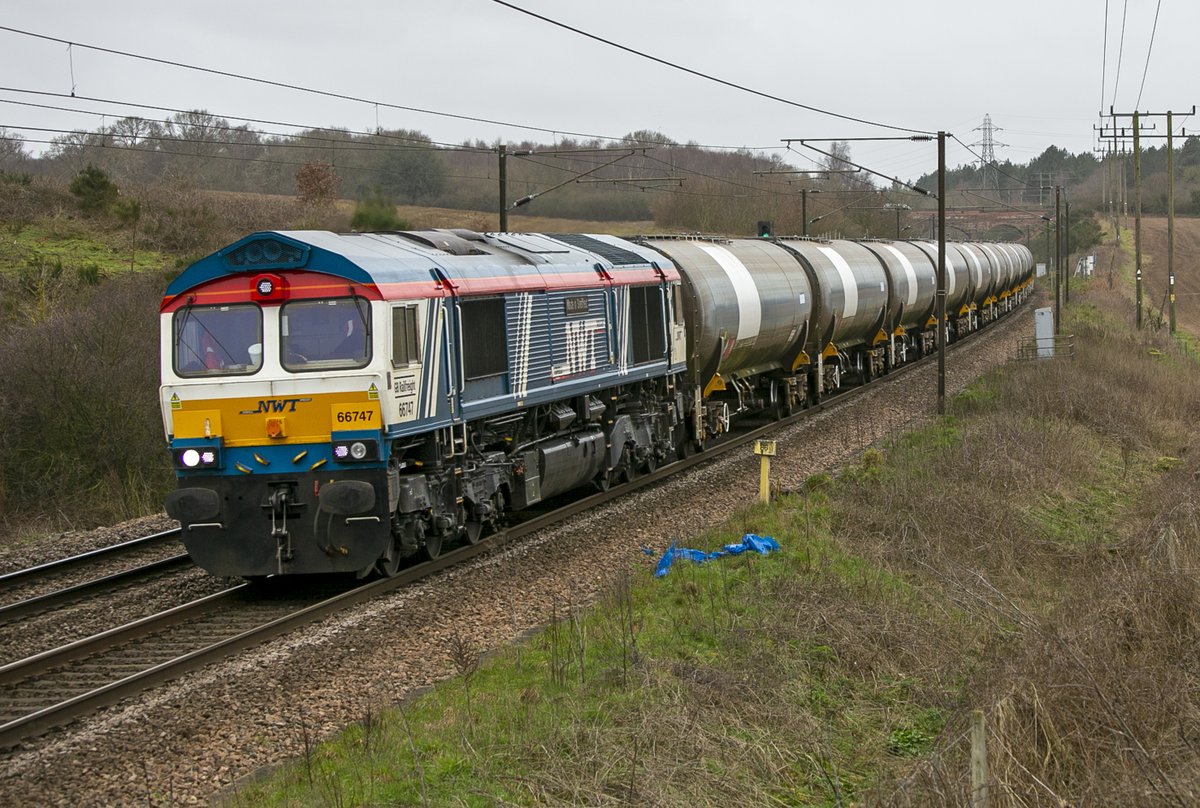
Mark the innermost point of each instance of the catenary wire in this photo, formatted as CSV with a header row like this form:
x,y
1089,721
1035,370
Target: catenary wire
x,y
1104,59
235,158
708,76
227,118
1120,51
1149,50
299,88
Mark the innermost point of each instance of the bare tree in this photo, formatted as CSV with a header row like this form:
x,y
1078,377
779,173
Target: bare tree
x,y
12,151
317,183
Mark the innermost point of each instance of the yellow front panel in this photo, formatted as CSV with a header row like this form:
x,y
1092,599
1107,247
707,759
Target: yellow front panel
x,y
308,419
197,423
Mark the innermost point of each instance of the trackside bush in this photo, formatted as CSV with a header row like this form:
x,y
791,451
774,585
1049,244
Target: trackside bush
x,y
94,190
376,212
80,435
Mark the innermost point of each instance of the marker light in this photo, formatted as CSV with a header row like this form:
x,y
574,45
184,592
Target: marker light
x,y
190,458
353,451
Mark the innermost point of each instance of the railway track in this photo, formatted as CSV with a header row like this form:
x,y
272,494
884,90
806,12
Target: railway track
x,y
53,688
29,585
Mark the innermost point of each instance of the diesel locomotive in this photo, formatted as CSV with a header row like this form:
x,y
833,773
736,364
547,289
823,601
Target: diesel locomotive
x,y
339,402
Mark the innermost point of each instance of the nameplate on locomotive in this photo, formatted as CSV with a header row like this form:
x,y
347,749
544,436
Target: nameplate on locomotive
x,y
575,305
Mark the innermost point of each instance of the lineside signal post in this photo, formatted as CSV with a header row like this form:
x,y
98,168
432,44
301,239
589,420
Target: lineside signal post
x,y
765,449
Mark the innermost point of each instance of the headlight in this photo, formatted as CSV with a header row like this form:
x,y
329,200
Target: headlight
x,y
353,451
196,458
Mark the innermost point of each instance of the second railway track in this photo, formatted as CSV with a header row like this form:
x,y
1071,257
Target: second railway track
x,y
60,574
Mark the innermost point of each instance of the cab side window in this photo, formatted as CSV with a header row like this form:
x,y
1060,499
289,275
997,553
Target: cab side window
x,y
406,347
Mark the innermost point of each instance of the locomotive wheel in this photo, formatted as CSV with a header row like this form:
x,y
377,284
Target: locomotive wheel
x,y
626,469
433,546
475,530
651,463
602,482
388,567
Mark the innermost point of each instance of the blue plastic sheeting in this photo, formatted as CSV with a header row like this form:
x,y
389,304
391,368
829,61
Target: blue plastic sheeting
x,y
759,544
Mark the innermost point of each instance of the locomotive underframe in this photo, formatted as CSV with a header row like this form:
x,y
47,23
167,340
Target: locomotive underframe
x,y
458,484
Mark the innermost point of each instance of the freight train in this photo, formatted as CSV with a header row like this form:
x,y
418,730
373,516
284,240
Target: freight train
x,y
339,402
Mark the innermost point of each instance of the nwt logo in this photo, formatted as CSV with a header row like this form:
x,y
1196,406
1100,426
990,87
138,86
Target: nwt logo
x,y
276,405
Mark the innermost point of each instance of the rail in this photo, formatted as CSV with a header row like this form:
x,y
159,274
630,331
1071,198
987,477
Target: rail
x,y
61,565
70,594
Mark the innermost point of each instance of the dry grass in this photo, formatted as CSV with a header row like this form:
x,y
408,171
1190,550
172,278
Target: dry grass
x,y
1083,568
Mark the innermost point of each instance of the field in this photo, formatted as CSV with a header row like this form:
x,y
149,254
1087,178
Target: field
x,y
1187,268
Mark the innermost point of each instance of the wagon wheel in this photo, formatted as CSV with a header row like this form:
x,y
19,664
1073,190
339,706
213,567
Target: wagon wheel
x,y
683,442
781,403
785,406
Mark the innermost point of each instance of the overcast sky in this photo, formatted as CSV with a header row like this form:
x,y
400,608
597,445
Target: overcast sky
x,y
1034,66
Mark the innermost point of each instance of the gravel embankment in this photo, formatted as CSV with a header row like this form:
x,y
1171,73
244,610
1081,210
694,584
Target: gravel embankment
x,y
185,741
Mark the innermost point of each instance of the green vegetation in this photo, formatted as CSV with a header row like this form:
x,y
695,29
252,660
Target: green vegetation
x,y
376,212
74,244
1033,555
94,190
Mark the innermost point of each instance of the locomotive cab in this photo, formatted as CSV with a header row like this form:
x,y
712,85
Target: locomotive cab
x,y
271,399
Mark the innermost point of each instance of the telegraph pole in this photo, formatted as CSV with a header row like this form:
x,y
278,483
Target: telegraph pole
x,y
1137,221
1137,135
503,188
1067,253
1171,221
941,273
1058,259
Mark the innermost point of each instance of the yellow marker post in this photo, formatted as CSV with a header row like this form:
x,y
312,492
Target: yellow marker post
x,y
766,450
